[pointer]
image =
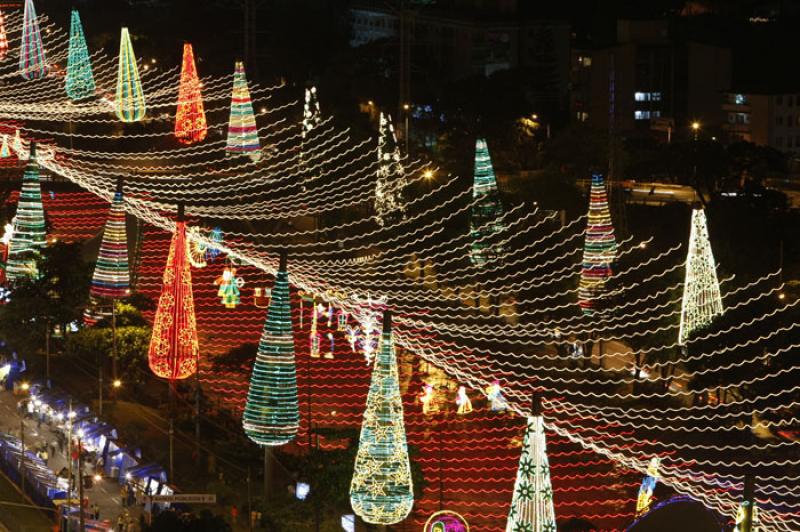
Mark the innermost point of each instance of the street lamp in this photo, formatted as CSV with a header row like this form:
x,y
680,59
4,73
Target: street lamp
x,y
695,129
407,109
117,383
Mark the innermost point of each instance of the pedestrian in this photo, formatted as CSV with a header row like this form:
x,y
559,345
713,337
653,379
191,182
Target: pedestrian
x,y
45,456
120,523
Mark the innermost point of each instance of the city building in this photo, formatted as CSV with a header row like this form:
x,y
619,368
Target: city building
x,y
464,38
765,119
651,83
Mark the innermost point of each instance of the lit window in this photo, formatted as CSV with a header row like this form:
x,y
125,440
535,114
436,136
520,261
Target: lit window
x,y
638,96
641,115
647,96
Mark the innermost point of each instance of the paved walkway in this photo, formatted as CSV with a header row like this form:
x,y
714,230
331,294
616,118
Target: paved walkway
x,y
106,493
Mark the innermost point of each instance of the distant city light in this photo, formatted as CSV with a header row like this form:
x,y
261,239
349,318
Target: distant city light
x,y
302,490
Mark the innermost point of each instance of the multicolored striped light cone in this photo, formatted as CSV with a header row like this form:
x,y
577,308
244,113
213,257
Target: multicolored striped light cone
x,y
130,102
111,277
32,58
29,225
599,250
486,209
242,129
79,83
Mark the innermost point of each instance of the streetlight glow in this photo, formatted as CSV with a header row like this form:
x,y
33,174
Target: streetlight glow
x,y
117,383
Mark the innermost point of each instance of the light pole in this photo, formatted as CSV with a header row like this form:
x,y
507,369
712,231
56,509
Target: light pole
x,y
407,109
82,524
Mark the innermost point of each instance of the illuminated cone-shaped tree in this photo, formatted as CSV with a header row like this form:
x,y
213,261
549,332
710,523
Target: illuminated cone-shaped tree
x,y
599,249
311,112
79,83
111,278
701,295
190,119
29,226
486,209
645,498
532,507
391,180
242,129
32,59
271,413
129,100
381,491
3,37
5,151
747,516
174,349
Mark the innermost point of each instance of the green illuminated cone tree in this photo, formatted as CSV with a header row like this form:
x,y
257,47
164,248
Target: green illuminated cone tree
x,y
129,100
486,209
29,226
381,491
271,414
701,296
532,507
79,83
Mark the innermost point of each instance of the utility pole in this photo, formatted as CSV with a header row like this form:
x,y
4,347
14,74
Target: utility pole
x,y
100,388
267,458
749,504
69,450
47,352
171,449
82,526
249,503
197,415
22,463
114,376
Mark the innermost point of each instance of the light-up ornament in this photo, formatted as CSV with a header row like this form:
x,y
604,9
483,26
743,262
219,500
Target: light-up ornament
x,y
29,234
17,143
428,399
532,506
645,498
599,250
130,101
212,252
352,334
486,210
463,401
329,353
3,37
79,82
174,348
242,129
391,181
32,58
494,393
313,340
446,521
197,248
271,414
261,297
702,301
381,491
341,320
190,117
229,287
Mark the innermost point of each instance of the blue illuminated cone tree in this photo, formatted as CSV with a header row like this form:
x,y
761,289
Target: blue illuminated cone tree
x,y
532,507
271,414
32,58
130,102
599,250
242,128
701,301
381,491
29,225
79,83
486,209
